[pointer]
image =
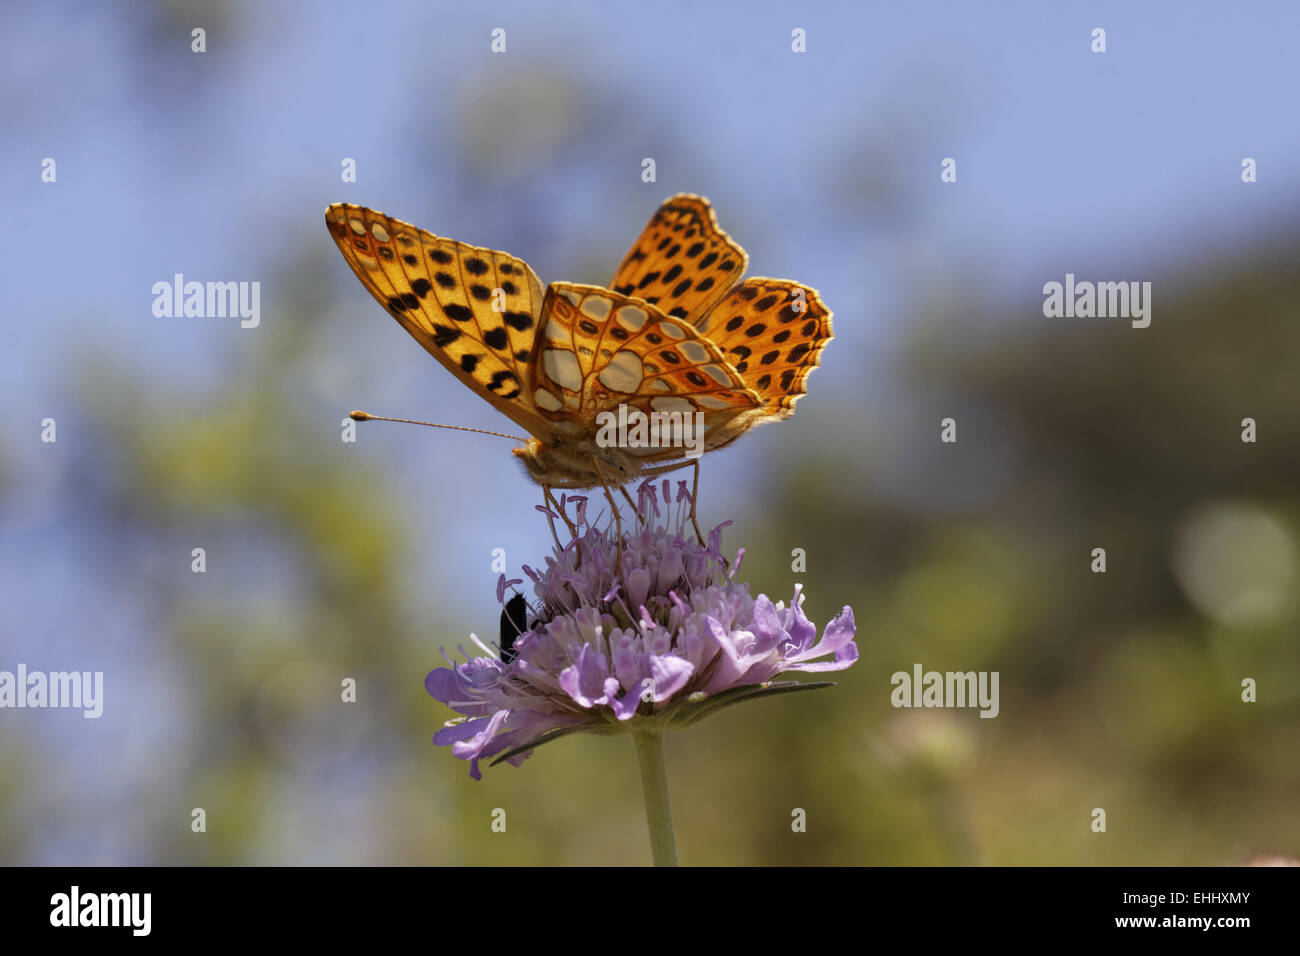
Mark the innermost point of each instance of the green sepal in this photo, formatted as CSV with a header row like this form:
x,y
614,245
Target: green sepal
x,y
688,712
546,738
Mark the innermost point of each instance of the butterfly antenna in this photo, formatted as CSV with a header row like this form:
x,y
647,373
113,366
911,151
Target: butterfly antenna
x,y
360,416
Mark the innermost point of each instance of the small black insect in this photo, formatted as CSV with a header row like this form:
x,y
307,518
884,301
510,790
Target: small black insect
x,y
514,621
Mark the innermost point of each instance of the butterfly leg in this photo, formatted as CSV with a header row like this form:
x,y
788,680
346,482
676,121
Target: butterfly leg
x,y
695,495
618,524
550,516
550,501
628,498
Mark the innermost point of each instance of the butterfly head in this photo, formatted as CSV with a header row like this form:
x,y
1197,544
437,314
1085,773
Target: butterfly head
x,y
582,465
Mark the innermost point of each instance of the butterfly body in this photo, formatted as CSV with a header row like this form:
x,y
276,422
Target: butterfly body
x,y
675,336
581,464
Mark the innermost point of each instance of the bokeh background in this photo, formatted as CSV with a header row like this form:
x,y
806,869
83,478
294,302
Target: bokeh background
x,y
327,560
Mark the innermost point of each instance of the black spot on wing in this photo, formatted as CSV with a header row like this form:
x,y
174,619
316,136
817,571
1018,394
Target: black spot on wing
x,y
504,384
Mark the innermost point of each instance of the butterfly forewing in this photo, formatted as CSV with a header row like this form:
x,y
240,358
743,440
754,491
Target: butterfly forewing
x,y
682,262
772,331
475,310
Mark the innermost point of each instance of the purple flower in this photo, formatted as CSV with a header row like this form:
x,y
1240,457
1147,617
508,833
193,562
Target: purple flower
x,y
666,636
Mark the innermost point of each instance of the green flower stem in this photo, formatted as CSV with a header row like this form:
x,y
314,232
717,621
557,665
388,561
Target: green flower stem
x,y
654,785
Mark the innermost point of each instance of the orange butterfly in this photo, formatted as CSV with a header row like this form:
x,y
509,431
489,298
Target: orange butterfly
x,y
672,334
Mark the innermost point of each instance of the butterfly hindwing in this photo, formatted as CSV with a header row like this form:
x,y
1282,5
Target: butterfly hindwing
x,y
599,349
682,262
475,310
772,331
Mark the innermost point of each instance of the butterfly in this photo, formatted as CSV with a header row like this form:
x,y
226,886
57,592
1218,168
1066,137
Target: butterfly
x,y
675,333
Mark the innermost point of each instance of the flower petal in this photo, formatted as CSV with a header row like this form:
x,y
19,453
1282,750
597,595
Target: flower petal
x,y
670,674
838,635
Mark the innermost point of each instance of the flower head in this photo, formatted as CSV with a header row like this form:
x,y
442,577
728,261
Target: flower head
x,y
662,634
